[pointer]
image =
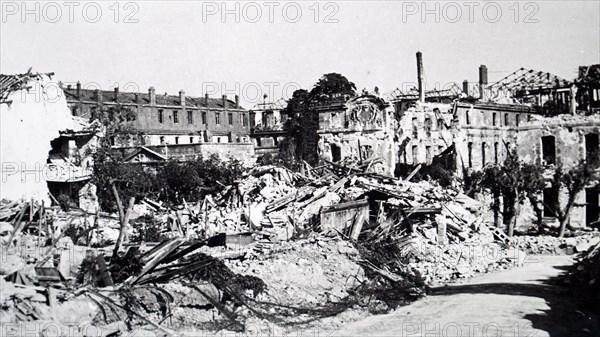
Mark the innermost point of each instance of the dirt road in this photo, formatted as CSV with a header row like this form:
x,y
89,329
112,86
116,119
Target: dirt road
x,y
516,302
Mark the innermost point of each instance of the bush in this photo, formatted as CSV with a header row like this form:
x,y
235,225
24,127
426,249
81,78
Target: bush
x,y
131,180
192,180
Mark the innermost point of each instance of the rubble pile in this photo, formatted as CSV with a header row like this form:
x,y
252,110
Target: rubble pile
x,y
550,245
276,246
586,270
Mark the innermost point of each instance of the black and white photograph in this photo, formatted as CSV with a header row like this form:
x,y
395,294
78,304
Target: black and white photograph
x,y
303,168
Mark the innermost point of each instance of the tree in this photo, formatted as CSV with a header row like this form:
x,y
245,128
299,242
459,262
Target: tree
x,y
333,84
303,122
514,181
111,171
130,180
573,181
301,138
534,185
192,180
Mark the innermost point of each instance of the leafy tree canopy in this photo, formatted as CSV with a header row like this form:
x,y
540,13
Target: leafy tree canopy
x,y
331,84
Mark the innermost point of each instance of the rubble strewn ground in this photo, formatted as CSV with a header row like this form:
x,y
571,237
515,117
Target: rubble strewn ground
x,y
585,272
260,256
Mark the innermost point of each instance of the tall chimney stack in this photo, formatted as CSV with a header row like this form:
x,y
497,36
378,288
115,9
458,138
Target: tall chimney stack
x,y
237,101
224,101
116,95
152,94
78,90
420,76
206,100
466,87
182,97
483,79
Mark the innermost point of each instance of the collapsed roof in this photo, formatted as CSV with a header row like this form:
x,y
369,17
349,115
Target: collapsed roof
x,y
12,83
398,95
589,75
529,79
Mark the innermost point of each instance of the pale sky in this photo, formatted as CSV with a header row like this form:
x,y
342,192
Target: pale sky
x,y
186,45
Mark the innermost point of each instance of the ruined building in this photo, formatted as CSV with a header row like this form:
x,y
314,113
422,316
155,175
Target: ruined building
x,y
357,129
549,120
171,127
564,141
267,120
45,151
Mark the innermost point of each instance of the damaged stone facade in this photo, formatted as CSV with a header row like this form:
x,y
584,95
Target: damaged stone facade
x,y
484,132
45,150
267,120
480,132
357,129
563,140
513,113
424,131
71,167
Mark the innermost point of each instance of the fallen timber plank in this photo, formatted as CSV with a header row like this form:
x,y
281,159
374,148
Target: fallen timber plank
x,y
160,255
412,174
177,272
214,241
149,255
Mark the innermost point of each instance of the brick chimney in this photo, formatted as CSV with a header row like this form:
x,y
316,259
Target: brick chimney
x,y
138,98
152,95
466,87
78,92
224,98
237,101
116,96
483,79
421,85
182,97
206,100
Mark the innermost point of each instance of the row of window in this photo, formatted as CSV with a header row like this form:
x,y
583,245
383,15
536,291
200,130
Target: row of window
x,y
428,126
190,117
548,150
483,153
196,140
495,119
428,153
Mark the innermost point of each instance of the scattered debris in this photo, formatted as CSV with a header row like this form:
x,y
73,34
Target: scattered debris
x,y
276,246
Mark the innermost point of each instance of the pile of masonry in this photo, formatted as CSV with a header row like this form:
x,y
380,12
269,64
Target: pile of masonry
x,y
586,271
550,245
276,246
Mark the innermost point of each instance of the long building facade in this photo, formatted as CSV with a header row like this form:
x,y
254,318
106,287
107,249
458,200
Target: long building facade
x,y
176,126
549,121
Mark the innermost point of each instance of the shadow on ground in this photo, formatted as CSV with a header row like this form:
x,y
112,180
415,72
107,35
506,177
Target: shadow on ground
x,y
573,311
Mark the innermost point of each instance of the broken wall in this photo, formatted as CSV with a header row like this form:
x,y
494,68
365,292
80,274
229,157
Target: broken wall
x,y
424,131
568,134
359,130
31,120
485,132
241,151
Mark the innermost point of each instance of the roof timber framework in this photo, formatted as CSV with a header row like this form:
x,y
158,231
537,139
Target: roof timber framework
x,y
532,80
12,83
397,95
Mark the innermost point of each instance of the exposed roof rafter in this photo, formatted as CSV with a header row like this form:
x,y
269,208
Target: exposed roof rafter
x,y
529,79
